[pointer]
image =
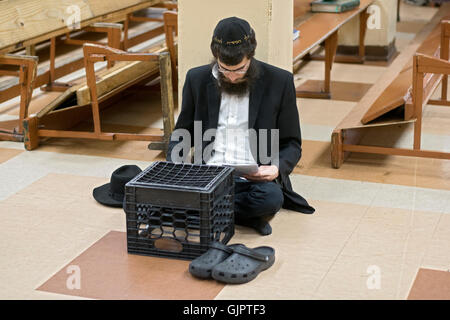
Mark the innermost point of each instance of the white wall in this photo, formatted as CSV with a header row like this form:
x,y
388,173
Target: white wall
x,y
272,21
349,33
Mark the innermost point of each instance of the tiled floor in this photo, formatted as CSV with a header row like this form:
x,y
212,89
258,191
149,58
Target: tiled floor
x,y
378,219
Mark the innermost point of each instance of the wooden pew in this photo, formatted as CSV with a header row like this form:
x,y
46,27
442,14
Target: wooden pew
x,y
398,92
316,28
146,15
39,21
410,81
131,69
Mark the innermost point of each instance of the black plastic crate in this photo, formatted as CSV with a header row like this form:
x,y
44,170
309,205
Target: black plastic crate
x,y
176,210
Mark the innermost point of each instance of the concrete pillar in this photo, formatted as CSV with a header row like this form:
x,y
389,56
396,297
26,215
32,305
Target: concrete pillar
x,y
380,39
272,21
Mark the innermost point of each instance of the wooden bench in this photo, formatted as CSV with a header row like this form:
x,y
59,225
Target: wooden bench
x,y
316,28
47,21
146,15
409,83
131,69
57,118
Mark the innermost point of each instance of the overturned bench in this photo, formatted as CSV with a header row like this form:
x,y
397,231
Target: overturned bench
x,y
57,119
47,25
408,84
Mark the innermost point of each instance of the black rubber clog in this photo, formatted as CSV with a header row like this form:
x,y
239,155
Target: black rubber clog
x,y
244,264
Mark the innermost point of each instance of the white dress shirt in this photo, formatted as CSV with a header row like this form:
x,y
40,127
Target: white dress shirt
x,y
231,144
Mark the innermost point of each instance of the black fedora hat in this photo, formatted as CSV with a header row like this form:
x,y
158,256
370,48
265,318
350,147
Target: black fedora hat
x,y
112,193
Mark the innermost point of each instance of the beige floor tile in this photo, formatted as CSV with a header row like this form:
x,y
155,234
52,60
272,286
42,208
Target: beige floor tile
x,y
33,255
406,36
436,119
306,247
392,240
54,220
412,198
443,228
315,132
10,293
296,273
60,200
437,255
41,295
334,111
322,188
391,232
366,277
28,167
401,43
271,291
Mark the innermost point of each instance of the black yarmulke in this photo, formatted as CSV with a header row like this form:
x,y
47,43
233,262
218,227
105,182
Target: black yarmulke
x,y
232,31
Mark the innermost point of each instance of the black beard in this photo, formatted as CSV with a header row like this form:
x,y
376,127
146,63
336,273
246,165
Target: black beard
x,y
239,88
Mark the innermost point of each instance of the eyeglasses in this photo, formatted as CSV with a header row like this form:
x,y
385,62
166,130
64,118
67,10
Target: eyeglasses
x,y
241,70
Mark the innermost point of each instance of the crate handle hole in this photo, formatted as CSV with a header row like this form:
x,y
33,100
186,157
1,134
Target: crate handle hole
x,y
168,244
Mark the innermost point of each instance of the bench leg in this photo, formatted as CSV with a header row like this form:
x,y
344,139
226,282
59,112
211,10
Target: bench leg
x,y
126,26
27,85
330,53
52,85
325,91
30,133
417,95
444,54
166,102
363,17
27,76
337,154
114,35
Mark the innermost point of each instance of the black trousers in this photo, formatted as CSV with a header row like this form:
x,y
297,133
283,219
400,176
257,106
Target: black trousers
x,y
256,199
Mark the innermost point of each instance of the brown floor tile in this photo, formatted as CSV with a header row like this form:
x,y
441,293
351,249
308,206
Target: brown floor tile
x,y
431,285
107,271
410,26
340,90
132,150
420,172
6,154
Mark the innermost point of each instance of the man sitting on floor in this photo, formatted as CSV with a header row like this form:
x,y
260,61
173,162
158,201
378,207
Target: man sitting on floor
x,y
236,93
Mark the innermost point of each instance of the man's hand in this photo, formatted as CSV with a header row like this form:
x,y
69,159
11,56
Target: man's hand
x,y
265,173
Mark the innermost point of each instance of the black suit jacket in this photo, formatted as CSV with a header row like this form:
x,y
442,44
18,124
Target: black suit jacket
x,y
272,105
